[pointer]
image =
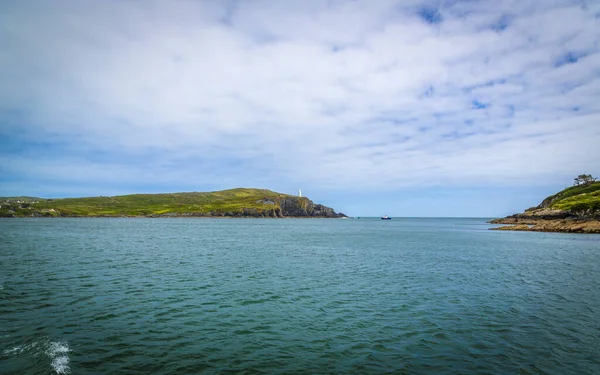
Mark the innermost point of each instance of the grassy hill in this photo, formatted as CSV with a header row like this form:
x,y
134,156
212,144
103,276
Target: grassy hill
x,y
575,198
574,210
233,202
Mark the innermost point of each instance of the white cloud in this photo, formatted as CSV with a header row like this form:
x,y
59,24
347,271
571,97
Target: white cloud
x,y
353,95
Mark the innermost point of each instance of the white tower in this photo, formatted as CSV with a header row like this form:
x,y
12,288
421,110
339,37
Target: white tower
x,y
300,193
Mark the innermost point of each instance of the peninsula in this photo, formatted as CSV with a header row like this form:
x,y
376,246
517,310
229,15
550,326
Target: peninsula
x,y
575,210
240,202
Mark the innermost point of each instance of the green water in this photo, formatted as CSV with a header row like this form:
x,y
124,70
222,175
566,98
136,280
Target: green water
x,y
187,296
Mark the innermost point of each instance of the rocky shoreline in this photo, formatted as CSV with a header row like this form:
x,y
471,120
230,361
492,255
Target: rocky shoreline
x,y
541,225
575,209
551,220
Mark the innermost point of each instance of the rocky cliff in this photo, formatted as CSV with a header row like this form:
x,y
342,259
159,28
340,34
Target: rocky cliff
x,y
284,206
304,207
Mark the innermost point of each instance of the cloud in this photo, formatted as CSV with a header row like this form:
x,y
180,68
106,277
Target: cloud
x,y
350,95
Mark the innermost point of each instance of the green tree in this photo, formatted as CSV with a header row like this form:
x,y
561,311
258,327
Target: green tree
x,y
584,179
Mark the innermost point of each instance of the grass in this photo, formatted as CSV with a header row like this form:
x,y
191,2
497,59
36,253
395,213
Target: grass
x,y
576,190
581,202
232,201
576,198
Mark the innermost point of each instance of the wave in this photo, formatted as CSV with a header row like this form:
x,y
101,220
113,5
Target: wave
x,y
20,349
57,351
59,354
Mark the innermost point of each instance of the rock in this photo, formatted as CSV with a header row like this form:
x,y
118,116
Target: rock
x,y
265,201
523,227
581,217
541,225
304,207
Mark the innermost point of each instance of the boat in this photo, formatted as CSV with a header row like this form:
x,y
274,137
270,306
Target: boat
x,y
386,218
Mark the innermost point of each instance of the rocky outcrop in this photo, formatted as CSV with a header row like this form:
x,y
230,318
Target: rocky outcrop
x,y
534,214
537,214
275,212
541,225
284,206
304,207
543,218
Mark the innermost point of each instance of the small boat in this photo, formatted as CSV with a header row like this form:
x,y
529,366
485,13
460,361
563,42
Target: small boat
x,y
386,218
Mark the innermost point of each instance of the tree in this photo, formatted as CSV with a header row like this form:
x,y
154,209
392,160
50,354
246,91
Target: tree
x,y
584,179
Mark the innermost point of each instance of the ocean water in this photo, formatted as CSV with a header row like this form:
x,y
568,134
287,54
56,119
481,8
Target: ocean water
x,y
322,296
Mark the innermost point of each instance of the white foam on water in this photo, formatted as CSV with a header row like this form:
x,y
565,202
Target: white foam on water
x,y
20,349
58,353
61,365
15,350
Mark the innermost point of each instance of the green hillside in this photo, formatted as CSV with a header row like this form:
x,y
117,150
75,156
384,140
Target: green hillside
x,y
575,198
573,210
233,201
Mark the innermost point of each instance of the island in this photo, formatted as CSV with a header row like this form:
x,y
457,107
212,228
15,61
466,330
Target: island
x,y
240,202
574,210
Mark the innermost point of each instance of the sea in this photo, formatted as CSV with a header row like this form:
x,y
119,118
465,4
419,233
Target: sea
x,y
295,296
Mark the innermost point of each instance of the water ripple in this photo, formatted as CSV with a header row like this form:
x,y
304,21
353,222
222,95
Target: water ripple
x,y
295,296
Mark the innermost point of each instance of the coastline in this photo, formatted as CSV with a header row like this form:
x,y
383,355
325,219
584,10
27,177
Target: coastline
x,y
589,226
575,209
165,217
238,202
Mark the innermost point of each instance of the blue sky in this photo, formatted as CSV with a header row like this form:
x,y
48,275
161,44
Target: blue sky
x,y
405,108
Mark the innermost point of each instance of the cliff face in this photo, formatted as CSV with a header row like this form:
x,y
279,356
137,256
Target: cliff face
x,y
304,207
284,206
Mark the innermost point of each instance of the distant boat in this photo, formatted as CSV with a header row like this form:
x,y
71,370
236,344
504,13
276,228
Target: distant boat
x,y
386,218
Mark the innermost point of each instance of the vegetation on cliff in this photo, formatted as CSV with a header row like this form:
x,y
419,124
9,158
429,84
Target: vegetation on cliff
x,y
239,202
574,209
575,198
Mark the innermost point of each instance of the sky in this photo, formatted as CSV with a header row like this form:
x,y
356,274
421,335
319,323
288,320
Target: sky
x,y
400,108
